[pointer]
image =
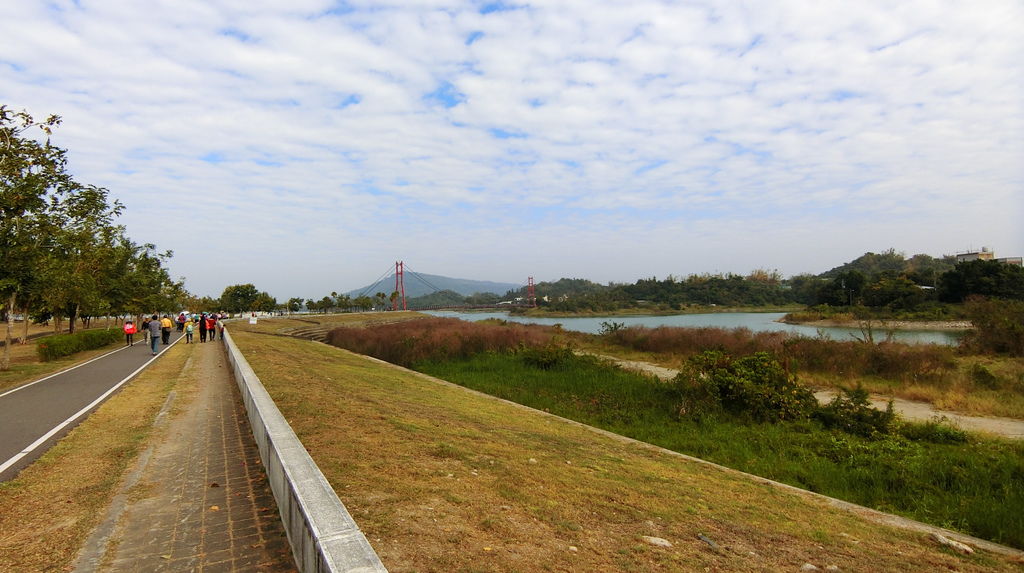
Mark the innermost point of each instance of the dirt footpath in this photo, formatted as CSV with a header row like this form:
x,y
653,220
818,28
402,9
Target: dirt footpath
x,y
909,410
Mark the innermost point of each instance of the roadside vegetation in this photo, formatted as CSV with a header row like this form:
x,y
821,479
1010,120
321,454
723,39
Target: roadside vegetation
x,y
741,406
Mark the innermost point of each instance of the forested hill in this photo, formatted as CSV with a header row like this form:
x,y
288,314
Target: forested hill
x,y
922,269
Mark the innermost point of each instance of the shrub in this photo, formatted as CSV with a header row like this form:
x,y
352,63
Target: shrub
x,y
984,378
851,412
998,326
545,357
756,387
938,430
59,345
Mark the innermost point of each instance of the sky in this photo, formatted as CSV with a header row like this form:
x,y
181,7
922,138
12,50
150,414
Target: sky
x,y
306,146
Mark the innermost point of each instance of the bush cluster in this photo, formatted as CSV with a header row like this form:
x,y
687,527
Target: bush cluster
x,y
547,357
851,412
59,345
756,386
759,388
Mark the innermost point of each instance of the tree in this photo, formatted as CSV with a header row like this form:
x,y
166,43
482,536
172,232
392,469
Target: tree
x,y
32,173
895,293
998,325
362,302
982,278
60,252
264,303
239,298
294,304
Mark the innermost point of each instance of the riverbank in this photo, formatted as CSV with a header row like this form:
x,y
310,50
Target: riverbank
x,y
629,312
883,325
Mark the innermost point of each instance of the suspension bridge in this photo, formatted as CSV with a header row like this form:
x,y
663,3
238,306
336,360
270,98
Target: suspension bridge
x,y
398,300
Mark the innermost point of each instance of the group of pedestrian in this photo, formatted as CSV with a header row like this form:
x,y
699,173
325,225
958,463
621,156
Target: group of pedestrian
x,y
155,328
206,324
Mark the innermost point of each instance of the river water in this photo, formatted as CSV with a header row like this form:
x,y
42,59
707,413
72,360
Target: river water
x,y
755,321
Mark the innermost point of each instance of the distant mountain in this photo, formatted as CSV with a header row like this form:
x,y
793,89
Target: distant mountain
x,y
419,284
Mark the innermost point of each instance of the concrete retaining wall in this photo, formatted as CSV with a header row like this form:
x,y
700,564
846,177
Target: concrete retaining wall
x,y
323,536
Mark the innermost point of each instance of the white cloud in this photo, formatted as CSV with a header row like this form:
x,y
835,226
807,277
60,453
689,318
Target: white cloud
x,y
610,140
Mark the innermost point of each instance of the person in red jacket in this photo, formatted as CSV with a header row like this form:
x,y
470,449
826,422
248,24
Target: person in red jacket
x,y
211,327
129,333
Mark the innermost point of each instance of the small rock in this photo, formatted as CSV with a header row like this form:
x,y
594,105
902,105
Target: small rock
x,y
707,540
657,541
951,543
533,461
833,568
809,567
573,548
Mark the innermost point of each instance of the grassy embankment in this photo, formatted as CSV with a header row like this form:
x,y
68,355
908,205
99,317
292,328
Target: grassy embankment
x,y
972,486
459,481
50,508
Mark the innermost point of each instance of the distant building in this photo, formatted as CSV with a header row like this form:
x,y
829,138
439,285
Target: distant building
x,y
986,254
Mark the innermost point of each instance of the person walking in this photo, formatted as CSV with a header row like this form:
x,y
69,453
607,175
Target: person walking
x,y
211,326
129,333
154,333
165,329
202,328
145,330
189,328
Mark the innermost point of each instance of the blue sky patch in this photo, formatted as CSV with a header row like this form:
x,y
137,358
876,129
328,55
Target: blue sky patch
x,y
348,101
446,94
504,134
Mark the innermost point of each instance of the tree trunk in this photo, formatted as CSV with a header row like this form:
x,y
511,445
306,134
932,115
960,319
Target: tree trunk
x,y
24,323
72,319
5,361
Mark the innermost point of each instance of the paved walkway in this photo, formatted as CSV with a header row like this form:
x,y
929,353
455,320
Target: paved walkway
x,y
198,500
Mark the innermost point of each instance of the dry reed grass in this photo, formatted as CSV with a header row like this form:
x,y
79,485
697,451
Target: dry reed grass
x,y
406,343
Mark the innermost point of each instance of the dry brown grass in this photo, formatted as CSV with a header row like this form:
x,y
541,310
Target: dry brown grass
x,y
50,508
443,479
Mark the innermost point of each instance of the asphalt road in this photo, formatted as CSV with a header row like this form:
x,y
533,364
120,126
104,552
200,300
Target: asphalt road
x,y
36,415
